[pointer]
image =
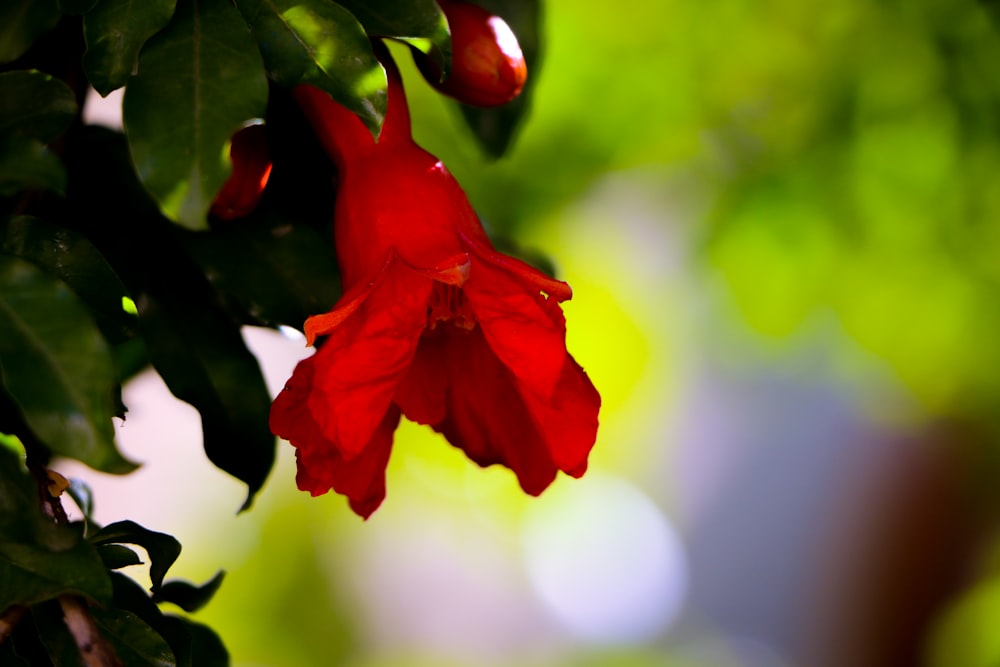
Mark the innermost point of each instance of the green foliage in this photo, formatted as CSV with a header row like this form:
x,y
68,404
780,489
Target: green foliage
x,y
322,44
178,118
115,32
22,22
56,366
112,262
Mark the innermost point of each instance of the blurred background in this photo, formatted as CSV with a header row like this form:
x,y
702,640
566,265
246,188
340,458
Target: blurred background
x,y
781,222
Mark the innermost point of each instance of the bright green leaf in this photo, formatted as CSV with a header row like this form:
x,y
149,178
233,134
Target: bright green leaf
x,y
22,22
57,367
419,23
320,43
200,79
115,32
163,549
35,104
26,163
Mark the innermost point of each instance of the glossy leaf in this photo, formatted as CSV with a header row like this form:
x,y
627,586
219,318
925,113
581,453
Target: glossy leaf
x,y
200,79
115,32
25,163
495,128
68,255
57,367
163,549
419,23
22,22
321,43
35,104
135,642
188,596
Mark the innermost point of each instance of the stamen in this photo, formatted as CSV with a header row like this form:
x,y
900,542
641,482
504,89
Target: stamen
x,y
447,303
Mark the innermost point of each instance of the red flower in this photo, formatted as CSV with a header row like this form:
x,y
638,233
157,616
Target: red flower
x,y
433,324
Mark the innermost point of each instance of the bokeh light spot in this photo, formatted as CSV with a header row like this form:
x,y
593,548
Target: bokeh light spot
x,y
605,560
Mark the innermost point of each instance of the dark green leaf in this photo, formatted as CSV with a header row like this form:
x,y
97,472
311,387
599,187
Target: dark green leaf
x,y
135,642
186,595
115,32
200,79
419,23
163,549
192,341
496,127
132,598
68,255
320,43
203,647
77,7
30,573
57,367
26,163
116,556
200,354
40,560
278,273
21,22
83,496
35,104
26,647
9,658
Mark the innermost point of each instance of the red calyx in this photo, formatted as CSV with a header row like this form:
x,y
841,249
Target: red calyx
x,y
487,68
251,169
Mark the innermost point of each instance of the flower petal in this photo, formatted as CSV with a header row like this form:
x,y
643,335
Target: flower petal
x,y
422,391
567,419
486,415
361,479
359,365
320,465
526,330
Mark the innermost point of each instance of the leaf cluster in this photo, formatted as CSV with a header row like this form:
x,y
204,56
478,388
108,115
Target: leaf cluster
x,y
111,262
56,577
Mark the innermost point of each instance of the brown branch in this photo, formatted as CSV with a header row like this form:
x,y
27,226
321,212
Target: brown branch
x,y
9,620
94,648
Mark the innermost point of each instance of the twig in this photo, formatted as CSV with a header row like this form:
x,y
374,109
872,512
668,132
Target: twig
x,y
94,648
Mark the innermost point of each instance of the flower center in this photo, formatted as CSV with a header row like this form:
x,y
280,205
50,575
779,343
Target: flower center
x,y
447,303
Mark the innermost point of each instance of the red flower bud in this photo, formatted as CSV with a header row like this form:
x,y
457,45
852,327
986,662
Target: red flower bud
x,y
251,168
434,324
487,66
